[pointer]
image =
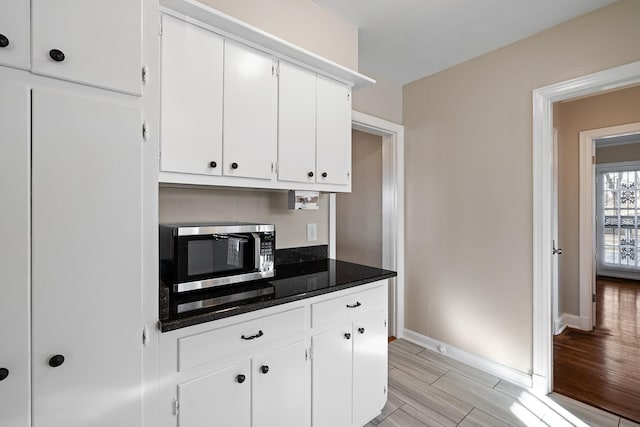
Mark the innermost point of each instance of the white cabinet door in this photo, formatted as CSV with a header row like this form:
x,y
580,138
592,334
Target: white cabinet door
x,y
86,261
222,398
296,124
280,388
15,33
333,144
250,112
192,66
369,367
14,253
101,42
331,378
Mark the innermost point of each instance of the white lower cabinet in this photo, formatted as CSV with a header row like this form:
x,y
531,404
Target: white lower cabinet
x,y
349,372
265,391
221,398
15,156
270,368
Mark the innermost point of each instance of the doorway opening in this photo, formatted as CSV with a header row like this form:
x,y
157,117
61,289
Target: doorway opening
x,y
543,273
392,204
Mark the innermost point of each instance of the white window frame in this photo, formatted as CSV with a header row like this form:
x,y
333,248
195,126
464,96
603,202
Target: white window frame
x,y
626,272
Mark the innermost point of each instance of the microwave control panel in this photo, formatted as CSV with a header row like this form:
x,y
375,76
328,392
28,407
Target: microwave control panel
x,y
267,251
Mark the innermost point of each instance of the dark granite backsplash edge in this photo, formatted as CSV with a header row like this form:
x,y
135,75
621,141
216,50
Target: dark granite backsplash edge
x,y
301,254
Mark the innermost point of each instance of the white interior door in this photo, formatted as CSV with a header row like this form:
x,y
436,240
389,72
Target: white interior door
x,y
86,261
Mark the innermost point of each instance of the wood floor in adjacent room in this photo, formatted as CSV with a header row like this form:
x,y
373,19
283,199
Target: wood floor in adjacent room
x,y
602,367
429,389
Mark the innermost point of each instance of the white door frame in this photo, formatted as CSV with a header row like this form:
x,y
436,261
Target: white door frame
x,y
587,216
392,209
543,99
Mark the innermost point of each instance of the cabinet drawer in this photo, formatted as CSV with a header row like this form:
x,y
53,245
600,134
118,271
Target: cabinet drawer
x,y
348,307
208,346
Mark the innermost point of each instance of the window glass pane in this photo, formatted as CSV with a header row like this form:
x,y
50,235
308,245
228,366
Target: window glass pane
x,y
620,200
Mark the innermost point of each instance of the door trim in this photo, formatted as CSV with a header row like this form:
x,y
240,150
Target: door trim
x,y
588,214
543,99
392,208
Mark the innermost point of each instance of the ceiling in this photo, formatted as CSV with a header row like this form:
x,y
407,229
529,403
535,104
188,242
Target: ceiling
x,y
404,40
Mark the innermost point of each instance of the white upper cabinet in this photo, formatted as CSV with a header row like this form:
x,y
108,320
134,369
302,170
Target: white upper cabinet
x,y
98,43
14,33
333,144
296,124
191,111
250,112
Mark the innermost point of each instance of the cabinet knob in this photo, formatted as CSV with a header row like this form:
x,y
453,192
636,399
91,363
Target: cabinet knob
x,y
4,373
324,174
361,330
264,369
213,164
310,174
56,55
240,378
347,336
56,360
234,165
4,41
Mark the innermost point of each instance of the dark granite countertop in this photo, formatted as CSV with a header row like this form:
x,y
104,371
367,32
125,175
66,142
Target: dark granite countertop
x,y
292,282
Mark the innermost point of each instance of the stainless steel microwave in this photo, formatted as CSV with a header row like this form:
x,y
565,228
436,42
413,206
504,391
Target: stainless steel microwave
x,y
198,256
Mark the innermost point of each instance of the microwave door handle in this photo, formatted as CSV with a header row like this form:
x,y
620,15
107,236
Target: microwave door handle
x,y
256,248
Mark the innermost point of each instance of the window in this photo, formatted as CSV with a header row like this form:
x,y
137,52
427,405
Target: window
x,y
618,198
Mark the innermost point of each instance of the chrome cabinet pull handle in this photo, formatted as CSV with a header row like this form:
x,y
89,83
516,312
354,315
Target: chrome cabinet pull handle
x,y
252,337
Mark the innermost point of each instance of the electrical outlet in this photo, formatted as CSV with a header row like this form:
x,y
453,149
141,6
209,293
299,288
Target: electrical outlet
x,y
312,232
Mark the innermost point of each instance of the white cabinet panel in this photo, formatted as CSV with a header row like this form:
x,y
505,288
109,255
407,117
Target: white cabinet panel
x,y
369,367
222,398
332,377
296,124
250,112
191,123
280,388
333,145
14,253
15,33
86,261
101,42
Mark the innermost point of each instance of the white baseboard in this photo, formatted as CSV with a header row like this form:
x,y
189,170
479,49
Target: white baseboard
x,y
565,320
512,375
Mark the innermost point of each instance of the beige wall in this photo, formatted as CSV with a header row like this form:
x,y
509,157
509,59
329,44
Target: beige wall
x,y
609,109
384,99
300,22
359,213
468,174
305,24
618,153
270,207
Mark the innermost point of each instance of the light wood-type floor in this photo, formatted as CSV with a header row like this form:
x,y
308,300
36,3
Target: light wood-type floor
x,y
602,367
429,389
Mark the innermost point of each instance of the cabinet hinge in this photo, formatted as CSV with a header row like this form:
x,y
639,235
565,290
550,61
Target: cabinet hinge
x,y
275,69
385,323
348,95
145,74
308,353
176,406
144,131
160,28
385,389
145,335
